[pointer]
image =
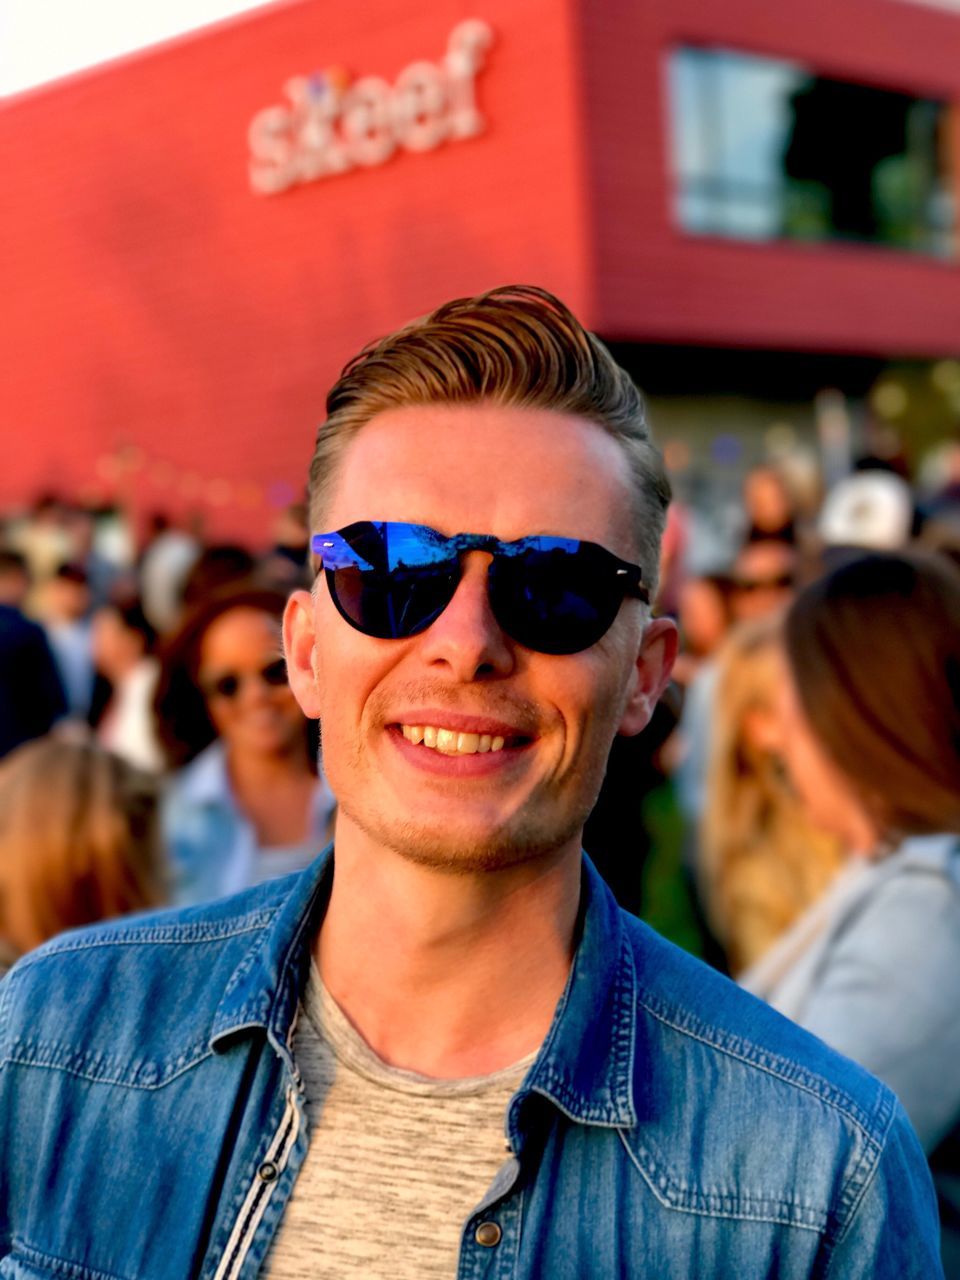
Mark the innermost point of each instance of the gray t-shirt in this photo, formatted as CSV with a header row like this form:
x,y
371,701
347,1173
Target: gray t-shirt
x,y
396,1163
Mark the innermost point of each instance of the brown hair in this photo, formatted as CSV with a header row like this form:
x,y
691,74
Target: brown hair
x,y
762,861
184,726
874,649
517,345
79,840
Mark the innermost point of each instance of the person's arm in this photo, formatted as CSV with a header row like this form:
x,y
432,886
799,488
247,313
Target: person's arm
x,y
888,993
893,1232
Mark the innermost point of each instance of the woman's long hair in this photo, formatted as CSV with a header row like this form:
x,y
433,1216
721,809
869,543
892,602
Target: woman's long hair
x,y
874,651
184,726
79,840
762,861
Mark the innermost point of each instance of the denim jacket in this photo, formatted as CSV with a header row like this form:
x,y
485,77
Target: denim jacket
x,y
212,845
152,1120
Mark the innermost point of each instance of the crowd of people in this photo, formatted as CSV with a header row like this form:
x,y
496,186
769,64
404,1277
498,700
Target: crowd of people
x,y
152,752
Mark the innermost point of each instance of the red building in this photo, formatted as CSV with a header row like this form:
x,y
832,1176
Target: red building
x,y
195,239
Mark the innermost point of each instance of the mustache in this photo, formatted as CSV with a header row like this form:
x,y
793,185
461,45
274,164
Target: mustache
x,y
525,716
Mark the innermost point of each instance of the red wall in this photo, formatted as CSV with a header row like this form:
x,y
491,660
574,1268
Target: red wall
x,y
655,282
153,304
153,300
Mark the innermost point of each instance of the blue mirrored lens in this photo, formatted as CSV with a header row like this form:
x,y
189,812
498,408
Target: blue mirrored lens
x,y
392,580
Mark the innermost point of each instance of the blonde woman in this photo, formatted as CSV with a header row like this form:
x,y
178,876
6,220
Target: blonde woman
x,y
79,841
762,861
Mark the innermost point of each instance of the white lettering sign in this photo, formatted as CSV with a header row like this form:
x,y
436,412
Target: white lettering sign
x,y
331,125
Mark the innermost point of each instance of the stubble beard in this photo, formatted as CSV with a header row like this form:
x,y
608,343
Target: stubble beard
x,y
525,837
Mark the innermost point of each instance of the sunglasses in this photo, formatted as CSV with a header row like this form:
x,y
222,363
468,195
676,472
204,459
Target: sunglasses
x,y
554,595
228,685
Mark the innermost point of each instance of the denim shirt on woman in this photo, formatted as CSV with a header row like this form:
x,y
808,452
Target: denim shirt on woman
x,y
152,1118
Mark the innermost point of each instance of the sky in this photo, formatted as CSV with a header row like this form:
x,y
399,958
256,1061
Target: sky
x,y
41,40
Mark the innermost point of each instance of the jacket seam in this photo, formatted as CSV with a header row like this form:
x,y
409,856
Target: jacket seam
x,y
292,957
243,968
5,999
113,1082
845,1107
61,1266
854,1209
165,937
783,1219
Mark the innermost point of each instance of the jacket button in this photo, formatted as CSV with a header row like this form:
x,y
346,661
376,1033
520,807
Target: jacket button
x,y
268,1172
488,1234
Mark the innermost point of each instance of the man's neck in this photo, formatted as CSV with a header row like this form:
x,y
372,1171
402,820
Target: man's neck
x,y
447,975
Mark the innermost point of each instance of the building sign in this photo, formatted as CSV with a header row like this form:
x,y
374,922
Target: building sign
x,y
331,124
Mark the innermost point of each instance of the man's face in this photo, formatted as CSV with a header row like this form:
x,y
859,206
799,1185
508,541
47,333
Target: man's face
x,y
511,473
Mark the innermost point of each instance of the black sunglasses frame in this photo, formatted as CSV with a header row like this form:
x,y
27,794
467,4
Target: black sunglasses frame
x,y
229,684
433,561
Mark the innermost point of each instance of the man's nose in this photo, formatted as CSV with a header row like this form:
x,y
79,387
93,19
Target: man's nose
x,y
466,638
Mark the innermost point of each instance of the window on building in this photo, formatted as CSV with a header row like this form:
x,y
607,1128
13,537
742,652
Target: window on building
x,y
765,149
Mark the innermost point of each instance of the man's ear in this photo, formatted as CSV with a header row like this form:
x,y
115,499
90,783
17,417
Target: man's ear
x,y
658,651
300,650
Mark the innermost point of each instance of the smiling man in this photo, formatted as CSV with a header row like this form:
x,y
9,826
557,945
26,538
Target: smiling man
x,y
442,1050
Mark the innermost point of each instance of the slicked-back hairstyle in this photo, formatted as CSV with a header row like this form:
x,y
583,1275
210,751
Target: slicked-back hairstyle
x,y
516,346
874,651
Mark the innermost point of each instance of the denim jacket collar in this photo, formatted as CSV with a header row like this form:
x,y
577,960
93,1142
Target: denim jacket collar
x,y
586,1063
265,988
585,1066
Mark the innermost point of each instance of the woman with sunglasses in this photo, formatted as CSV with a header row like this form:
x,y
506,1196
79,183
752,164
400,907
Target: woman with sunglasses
x,y
248,802
871,736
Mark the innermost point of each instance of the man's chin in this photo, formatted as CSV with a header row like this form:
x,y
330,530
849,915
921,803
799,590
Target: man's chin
x,y
463,851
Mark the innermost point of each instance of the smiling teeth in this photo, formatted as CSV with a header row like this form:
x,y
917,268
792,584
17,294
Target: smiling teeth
x,y
451,743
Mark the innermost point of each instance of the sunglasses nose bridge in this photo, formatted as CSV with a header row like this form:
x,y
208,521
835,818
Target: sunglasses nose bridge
x,y
466,635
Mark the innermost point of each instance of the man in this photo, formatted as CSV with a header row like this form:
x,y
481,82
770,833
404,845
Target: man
x,y
444,1051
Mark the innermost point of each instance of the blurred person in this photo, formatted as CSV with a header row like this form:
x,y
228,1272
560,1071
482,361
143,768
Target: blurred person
x,y
871,734
286,564
248,802
768,505
317,1077
763,577
941,533
216,567
759,584
704,619
80,524
79,842
123,650
63,608
43,539
32,698
762,862
14,578
865,511
616,835
165,561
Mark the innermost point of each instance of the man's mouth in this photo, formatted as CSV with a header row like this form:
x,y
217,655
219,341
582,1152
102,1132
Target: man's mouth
x,y
452,742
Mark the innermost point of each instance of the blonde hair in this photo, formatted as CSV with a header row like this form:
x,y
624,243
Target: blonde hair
x,y
517,345
79,840
762,861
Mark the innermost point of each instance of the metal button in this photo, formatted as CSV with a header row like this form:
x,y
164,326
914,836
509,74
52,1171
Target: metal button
x,y
488,1234
268,1172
